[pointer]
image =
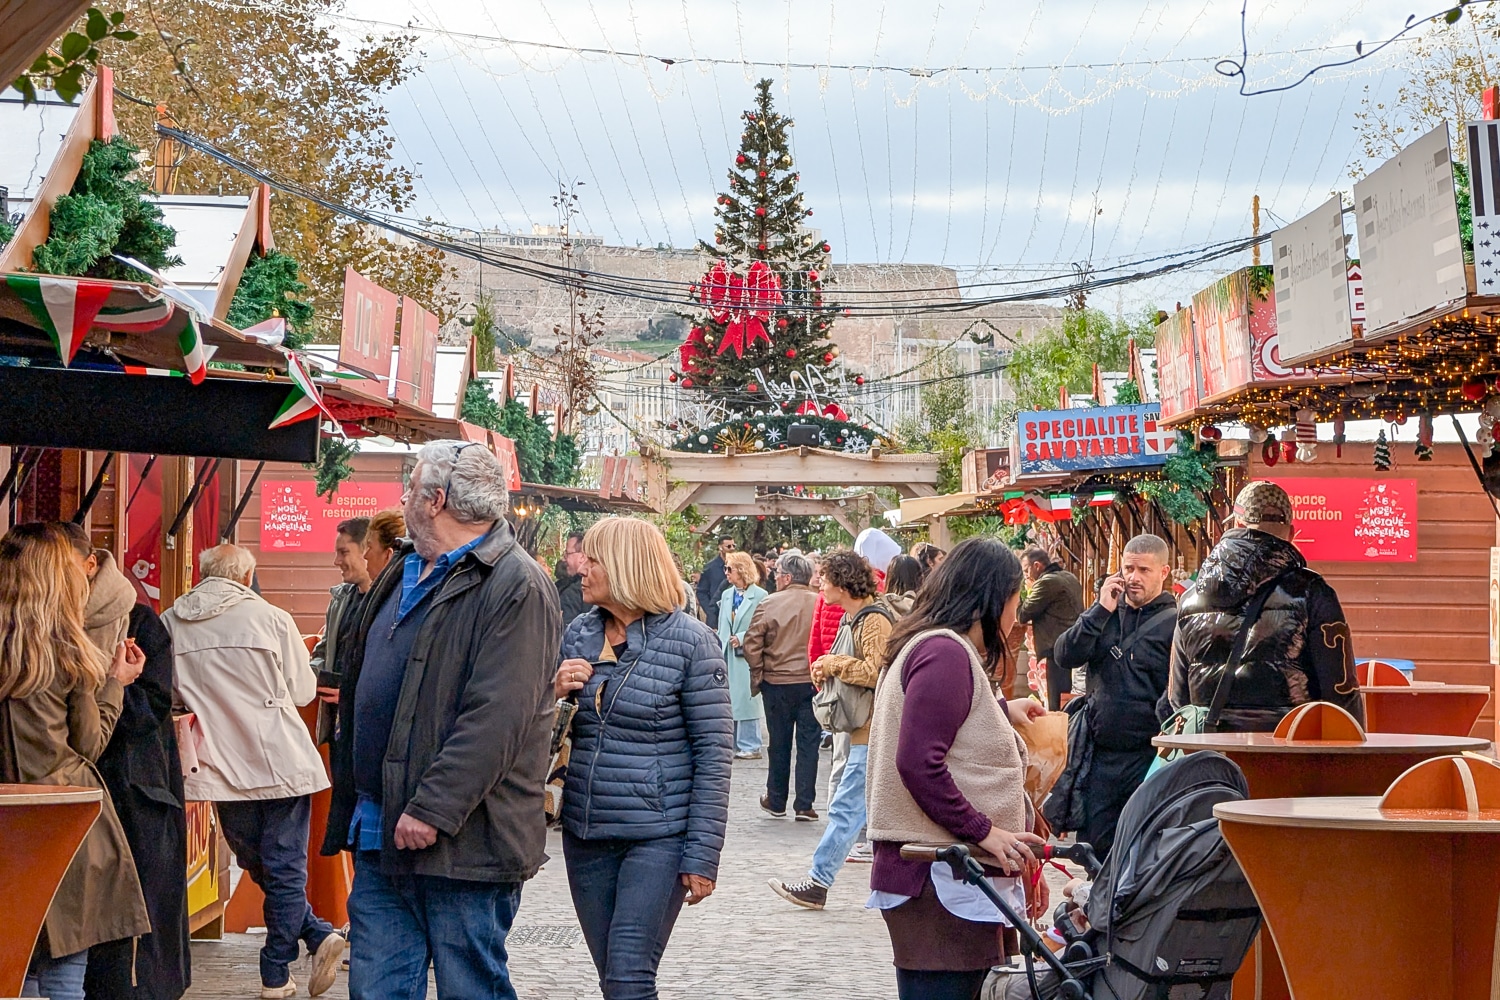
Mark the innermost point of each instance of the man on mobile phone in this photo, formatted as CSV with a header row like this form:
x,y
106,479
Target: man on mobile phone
x,y
1125,643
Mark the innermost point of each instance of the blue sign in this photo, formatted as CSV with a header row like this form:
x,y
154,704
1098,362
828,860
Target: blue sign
x,y
1090,438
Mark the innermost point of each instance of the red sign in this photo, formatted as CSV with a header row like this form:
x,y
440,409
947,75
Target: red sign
x,y
417,362
1265,344
369,330
293,518
1354,520
1177,365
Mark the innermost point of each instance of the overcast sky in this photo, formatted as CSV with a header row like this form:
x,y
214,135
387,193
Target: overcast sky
x,y
1136,148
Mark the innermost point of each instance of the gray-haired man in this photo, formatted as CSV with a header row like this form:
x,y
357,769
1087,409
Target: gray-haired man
x,y
776,649
1125,642
445,714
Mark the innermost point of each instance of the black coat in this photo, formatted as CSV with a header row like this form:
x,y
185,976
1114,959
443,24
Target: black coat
x,y
570,597
143,773
1298,650
1123,690
711,585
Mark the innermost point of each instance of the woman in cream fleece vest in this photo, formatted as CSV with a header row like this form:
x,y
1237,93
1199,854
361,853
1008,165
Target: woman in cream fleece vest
x,y
946,765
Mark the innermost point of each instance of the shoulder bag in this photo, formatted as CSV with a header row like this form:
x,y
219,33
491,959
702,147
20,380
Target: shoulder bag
x,y
1195,719
840,707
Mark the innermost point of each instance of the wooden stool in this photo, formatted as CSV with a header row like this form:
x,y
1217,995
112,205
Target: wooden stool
x,y
41,828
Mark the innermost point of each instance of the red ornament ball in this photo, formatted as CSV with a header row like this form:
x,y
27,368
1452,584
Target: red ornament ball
x,y
781,324
859,380
672,377
827,248
791,352
747,426
828,359
760,211
741,159
687,383
762,173
812,275
752,387
761,246
1473,389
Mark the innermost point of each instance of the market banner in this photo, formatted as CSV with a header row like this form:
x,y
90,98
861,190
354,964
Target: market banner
x,y
293,518
1089,438
1313,301
1409,245
416,364
1353,520
368,335
1484,194
1177,365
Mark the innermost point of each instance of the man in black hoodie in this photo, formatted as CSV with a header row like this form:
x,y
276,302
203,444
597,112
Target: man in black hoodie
x,y
1125,643
569,578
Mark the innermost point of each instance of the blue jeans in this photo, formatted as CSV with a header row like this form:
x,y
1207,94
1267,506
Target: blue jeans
x,y
269,840
846,818
57,978
401,924
627,894
747,736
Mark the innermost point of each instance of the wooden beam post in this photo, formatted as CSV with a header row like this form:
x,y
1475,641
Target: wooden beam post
x,y
176,554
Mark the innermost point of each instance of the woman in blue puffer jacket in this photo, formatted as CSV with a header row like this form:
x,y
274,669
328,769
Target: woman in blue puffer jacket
x,y
647,794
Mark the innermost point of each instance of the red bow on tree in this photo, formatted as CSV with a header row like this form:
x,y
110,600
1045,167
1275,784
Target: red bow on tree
x,y
742,303
832,411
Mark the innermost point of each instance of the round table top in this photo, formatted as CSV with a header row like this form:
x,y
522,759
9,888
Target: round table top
x,y
1356,812
1424,687
1374,743
46,795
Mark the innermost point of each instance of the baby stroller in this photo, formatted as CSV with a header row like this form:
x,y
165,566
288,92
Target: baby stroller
x,y
1169,916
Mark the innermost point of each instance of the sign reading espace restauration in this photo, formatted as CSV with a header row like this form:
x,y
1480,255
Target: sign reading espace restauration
x,y
1098,437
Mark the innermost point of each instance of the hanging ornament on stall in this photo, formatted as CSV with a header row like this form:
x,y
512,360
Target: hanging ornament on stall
x,y
1307,436
1258,434
1424,438
1288,445
1338,436
1487,418
1382,453
1270,451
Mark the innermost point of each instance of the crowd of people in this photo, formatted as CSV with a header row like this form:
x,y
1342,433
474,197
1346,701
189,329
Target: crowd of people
x,y
445,657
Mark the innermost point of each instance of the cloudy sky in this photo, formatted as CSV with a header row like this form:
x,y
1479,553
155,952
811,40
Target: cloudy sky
x,y
1074,130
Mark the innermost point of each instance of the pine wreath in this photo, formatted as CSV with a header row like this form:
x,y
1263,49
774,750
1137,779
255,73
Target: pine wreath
x,y
772,431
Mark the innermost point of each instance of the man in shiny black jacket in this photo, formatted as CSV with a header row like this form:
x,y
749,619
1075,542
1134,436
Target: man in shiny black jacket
x,y
1125,642
1298,650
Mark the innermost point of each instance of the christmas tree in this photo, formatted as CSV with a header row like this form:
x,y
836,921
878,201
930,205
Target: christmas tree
x,y
760,338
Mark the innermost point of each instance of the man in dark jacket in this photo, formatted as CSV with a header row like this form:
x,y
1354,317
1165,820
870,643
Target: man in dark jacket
x,y
1125,643
569,574
712,584
342,618
1052,605
445,715
1298,650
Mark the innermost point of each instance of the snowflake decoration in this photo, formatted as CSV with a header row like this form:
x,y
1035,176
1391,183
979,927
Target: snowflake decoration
x,y
773,434
856,444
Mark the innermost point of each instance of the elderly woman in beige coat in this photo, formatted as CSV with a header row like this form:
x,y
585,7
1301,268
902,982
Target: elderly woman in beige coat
x,y
59,700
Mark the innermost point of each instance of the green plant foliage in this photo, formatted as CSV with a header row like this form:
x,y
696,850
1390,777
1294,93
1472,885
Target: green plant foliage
x,y
1186,481
945,424
270,287
772,431
1128,394
7,231
482,326
542,458
1066,354
105,213
77,53
333,465
1465,199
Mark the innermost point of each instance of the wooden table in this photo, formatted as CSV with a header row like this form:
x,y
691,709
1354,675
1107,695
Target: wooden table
x,y
1277,768
1371,903
41,827
1422,707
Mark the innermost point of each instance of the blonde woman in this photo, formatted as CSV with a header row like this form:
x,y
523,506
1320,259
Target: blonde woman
x,y
385,532
736,608
647,795
59,701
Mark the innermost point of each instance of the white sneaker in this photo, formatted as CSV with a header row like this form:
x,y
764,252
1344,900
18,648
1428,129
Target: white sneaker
x,y
862,854
325,964
279,992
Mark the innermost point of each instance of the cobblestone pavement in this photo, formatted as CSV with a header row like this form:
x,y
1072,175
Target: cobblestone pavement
x,y
742,942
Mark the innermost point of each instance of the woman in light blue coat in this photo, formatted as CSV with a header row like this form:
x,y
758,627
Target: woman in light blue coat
x,y
736,608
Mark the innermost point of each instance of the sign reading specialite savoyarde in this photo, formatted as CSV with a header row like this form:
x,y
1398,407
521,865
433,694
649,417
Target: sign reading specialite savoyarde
x,y
1097,437
1353,520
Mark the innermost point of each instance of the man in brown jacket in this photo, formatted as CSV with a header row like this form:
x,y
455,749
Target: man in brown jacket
x,y
776,649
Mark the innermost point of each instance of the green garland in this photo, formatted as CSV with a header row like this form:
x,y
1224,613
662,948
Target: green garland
x,y
542,457
106,213
771,432
333,466
1186,481
270,287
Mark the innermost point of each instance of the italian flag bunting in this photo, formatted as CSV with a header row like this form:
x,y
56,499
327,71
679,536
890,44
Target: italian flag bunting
x,y
194,354
1102,499
1061,506
303,402
64,307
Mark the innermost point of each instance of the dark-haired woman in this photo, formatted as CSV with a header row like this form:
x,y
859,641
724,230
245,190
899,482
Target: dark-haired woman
x,y
903,578
946,765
